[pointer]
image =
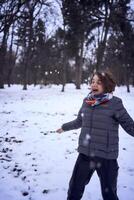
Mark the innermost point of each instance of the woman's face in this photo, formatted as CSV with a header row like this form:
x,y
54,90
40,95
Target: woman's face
x,y
96,85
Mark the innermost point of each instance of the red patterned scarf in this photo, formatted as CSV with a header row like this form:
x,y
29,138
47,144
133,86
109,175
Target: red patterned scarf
x,y
94,100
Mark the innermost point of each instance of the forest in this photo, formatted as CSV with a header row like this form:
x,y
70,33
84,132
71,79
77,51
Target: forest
x,y
64,41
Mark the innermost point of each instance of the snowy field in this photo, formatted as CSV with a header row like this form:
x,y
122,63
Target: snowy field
x,y
35,162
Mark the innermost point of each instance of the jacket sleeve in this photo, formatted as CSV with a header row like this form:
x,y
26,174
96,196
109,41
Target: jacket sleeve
x,y
75,124
124,118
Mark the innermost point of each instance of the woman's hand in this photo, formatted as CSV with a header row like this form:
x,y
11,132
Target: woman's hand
x,y
60,130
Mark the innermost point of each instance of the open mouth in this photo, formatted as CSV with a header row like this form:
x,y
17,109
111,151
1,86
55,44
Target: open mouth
x,y
95,90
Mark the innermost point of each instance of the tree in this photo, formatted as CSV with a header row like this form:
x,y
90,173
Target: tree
x,y
10,58
79,21
26,35
9,12
39,50
120,50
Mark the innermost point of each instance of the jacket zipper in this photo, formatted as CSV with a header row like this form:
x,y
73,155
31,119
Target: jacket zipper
x,y
91,121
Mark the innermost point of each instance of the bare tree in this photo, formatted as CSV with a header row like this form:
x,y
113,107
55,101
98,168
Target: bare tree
x,y
8,14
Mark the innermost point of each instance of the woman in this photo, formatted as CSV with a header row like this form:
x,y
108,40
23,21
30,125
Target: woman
x,y
99,119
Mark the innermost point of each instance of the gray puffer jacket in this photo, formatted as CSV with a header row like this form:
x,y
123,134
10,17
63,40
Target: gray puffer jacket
x,y
99,128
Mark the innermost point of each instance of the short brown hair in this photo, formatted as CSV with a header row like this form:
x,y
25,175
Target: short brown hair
x,y
107,80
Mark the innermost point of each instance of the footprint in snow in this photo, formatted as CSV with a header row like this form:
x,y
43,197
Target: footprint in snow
x,y
45,191
28,154
131,171
25,193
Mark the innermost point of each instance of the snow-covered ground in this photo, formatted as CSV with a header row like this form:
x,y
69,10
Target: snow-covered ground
x,y
35,162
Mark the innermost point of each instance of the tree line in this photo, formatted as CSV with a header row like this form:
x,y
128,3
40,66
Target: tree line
x,y
94,35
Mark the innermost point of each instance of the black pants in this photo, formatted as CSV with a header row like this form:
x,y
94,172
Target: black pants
x,y
85,166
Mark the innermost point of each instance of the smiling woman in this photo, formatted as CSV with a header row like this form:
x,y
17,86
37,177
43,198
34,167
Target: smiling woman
x,y
99,118
102,83
96,85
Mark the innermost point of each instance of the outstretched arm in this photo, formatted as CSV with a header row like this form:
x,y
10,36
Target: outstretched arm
x,y
124,118
75,124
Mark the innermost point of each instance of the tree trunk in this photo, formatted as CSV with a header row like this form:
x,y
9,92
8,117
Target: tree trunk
x,y
79,64
9,77
127,79
128,88
64,77
101,49
2,59
64,62
29,49
35,77
78,73
11,60
25,77
102,43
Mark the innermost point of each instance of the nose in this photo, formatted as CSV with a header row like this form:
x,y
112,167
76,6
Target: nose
x,y
94,84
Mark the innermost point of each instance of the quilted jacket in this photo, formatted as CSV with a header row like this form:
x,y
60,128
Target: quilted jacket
x,y
100,128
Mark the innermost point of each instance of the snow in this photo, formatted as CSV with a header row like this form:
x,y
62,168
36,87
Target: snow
x,y
37,163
